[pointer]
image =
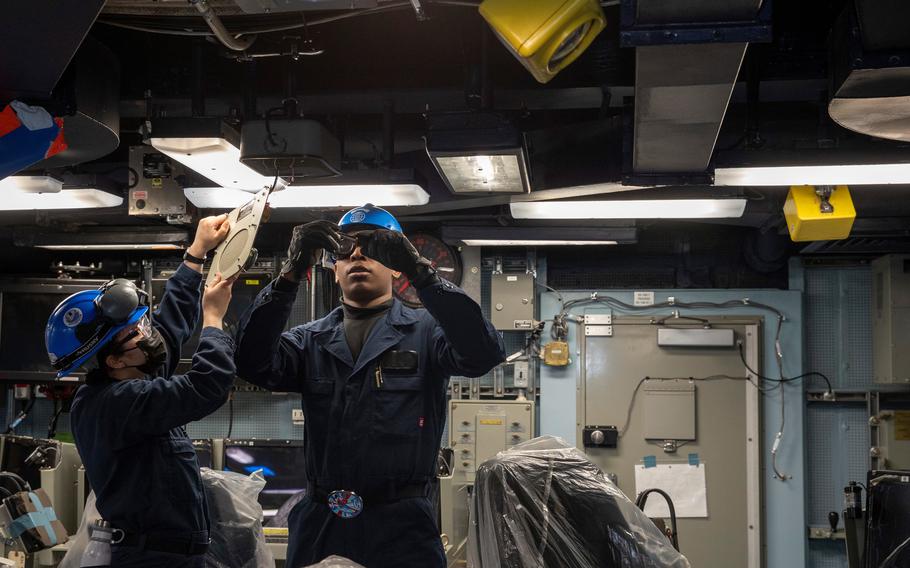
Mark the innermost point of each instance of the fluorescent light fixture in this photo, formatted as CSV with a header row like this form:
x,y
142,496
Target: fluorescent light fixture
x,y
856,174
487,236
105,238
141,246
31,184
631,209
313,196
531,243
23,200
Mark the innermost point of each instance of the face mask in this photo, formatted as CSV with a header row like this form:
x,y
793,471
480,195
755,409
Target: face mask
x,y
154,350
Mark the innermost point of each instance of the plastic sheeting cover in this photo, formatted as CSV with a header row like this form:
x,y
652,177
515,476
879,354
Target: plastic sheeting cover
x,y
336,562
237,538
543,504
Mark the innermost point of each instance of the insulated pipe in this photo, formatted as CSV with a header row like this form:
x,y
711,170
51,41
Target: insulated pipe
x,y
217,27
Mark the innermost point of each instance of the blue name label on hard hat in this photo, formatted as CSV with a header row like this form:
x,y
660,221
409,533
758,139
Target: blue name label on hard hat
x,y
345,504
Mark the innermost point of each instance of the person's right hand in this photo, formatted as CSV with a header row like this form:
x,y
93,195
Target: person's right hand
x,y
209,234
307,241
215,301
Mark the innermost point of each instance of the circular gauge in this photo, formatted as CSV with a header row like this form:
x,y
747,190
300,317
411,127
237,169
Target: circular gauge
x,y
446,260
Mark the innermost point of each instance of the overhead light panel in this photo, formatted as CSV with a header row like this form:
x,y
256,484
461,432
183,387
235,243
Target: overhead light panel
x,y
31,184
532,243
210,148
539,236
855,174
139,246
631,209
313,196
41,193
478,153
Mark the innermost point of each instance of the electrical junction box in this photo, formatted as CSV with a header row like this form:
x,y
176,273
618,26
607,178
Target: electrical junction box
x,y
544,35
512,301
155,190
668,410
891,319
806,219
479,429
556,354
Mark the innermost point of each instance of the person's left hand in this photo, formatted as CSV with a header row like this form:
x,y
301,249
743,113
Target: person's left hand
x,y
395,251
209,234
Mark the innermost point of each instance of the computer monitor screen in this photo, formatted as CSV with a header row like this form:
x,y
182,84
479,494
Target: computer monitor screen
x,y
282,465
18,449
888,519
204,453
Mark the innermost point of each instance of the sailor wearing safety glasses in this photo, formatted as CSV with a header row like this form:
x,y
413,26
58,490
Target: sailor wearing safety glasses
x,y
128,419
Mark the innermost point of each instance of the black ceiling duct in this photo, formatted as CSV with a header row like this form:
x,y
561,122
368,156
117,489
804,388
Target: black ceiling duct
x,y
38,39
870,69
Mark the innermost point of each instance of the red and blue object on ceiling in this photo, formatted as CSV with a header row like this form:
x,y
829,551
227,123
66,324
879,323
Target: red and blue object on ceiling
x,y
28,134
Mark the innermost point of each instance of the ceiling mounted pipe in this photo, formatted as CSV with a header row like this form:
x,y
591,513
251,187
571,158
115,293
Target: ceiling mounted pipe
x,y
217,27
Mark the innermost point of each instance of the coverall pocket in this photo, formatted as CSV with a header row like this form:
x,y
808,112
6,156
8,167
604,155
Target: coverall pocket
x,y
183,483
399,407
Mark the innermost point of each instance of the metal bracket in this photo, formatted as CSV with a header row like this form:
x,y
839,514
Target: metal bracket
x,y
475,388
499,382
598,331
632,34
419,11
824,194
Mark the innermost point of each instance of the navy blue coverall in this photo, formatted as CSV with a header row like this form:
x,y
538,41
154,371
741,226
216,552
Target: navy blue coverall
x,y
137,455
367,428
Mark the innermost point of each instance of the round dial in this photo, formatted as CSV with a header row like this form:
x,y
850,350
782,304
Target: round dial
x,y
445,259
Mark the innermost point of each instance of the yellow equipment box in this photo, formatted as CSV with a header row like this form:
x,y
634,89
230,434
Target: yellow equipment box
x,y
808,219
556,354
545,35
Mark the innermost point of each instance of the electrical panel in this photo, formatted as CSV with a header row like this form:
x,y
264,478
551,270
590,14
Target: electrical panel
x,y
155,190
891,319
479,429
512,301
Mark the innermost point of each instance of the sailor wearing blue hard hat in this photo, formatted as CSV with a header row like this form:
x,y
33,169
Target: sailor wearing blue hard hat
x,y
373,375
128,419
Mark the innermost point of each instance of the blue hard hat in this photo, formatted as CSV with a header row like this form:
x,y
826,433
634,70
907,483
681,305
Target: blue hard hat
x,y
368,217
87,321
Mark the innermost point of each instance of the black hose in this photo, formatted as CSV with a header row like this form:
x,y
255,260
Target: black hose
x,y
643,498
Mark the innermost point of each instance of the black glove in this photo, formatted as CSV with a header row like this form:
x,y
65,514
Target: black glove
x,y
396,252
307,241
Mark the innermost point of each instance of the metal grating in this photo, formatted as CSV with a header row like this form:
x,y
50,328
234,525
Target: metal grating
x,y
838,452
838,344
857,309
256,415
827,554
839,324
